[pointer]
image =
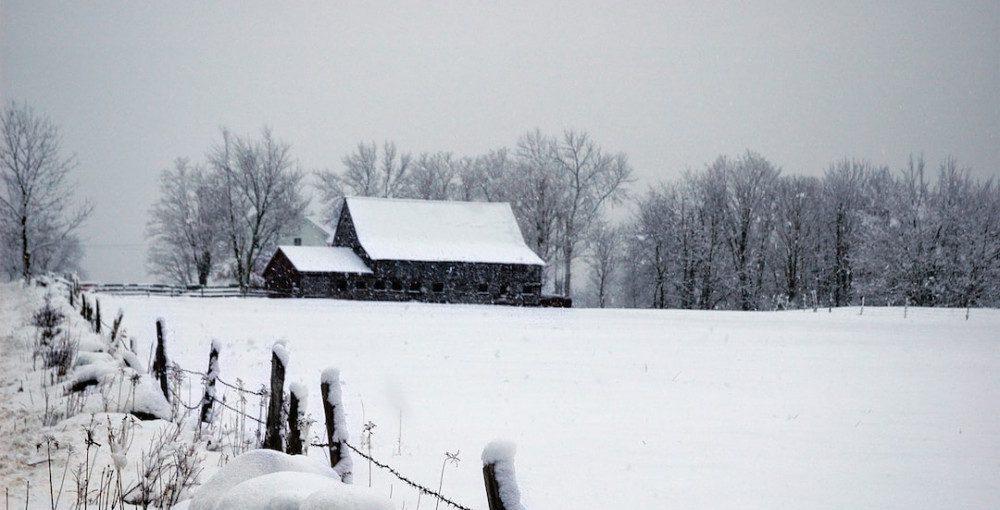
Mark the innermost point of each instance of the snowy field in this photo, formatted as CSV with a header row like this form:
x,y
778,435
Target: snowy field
x,y
637,409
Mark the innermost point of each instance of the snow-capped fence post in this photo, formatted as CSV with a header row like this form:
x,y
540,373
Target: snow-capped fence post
x,y
160,359
272,432
208,400
498,473
336,426
298,427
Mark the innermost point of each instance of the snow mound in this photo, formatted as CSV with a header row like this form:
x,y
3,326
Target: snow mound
x,y
93,343
91,358
92,374
252,465
281,490
345,497
149,399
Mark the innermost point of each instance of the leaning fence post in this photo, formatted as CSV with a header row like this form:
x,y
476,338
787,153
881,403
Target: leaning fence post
x,y
279,362
498,473
160,359
298,427
336,426
97,316
208,400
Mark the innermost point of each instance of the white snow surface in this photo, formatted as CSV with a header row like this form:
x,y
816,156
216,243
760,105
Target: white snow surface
x,y
232,478
439,231
625,409
324,259
269,480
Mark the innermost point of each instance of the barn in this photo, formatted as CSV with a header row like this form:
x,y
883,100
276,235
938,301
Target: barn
x,y
414,250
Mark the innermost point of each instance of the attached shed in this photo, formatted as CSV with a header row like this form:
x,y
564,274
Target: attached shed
x,y
315,271
424,250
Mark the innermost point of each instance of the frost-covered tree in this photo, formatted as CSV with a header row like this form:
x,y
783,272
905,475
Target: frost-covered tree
x,y
591,179
185,228
751,183
434,176
604,255
260,188
368,172
38,222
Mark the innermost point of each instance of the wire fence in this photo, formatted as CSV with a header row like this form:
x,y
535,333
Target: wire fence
x,y
262,394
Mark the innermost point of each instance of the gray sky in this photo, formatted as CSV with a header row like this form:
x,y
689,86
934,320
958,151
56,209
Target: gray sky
x,y
673,84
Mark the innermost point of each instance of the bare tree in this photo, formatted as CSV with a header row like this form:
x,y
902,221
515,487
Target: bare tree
x,y
37,219
368,172
434,176
186,225
797,202
592,179
536,193
489,177
604,258
261,194
751,183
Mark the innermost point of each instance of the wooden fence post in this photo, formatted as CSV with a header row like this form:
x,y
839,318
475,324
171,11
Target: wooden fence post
x,y
498,473
97,316
208,400
272,432
160,359
297,425
336,426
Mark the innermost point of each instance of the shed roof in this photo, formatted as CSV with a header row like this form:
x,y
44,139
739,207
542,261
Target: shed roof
x,y
439,231
324,259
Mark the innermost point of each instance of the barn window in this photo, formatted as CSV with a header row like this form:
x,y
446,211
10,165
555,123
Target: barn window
x,y
415,286
396,284
483,287
379,285
438,287
297,241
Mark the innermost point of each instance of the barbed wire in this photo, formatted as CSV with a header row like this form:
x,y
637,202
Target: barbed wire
x,y
222,382
382,465
403,478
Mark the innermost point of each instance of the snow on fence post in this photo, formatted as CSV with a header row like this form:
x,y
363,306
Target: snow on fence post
x,y
336,425
160,359
298,427
498,473
208,400
279,363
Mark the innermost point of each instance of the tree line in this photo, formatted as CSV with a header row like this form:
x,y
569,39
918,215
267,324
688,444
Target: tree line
x,y
738,233
741,235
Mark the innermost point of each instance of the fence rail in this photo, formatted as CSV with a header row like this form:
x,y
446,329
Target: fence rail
x,y
137,289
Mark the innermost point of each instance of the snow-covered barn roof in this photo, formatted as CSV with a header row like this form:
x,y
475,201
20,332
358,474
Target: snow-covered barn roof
x,y
324,259
439,231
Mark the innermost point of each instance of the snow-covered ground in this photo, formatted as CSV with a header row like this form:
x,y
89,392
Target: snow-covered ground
x,y
636,409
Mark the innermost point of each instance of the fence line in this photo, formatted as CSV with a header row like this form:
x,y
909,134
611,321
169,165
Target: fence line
x,y
179,399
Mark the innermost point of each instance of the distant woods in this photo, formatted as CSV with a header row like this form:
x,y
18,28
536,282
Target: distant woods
x,y
737,234
38,218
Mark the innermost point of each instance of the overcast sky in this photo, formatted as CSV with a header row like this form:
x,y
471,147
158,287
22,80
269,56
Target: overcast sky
x,y
134,86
